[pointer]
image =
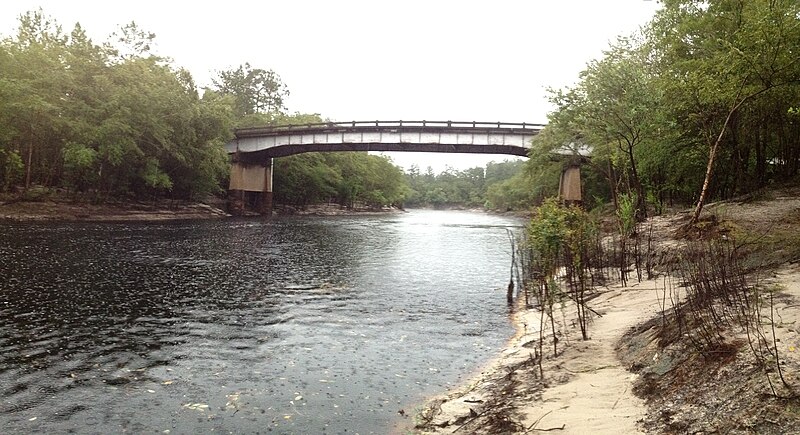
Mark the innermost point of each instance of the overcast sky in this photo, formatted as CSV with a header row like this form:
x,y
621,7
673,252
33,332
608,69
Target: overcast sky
x,y
387,60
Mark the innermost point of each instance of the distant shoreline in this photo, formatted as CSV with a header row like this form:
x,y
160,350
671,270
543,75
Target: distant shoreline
x,y
71,210
78,211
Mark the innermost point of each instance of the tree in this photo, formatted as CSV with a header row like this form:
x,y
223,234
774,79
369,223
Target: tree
x,y
109,118
32,92
255,91
706,89
131,42
613,109
745,53
473,187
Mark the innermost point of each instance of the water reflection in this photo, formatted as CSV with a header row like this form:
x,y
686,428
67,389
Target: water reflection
x,y
296,325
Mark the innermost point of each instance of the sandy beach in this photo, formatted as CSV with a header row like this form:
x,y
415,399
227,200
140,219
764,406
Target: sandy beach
x,y
589,386
585,389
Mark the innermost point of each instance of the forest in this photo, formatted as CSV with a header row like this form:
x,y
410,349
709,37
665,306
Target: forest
x,y
110,118
703,102
113,121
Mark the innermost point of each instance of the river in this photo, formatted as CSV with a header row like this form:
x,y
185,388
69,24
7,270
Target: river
x,y
289,325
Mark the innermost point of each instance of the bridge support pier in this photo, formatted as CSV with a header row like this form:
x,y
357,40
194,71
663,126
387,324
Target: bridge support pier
x,y
250,188
570,187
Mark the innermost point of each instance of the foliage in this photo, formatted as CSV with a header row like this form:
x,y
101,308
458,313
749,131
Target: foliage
x,y
500,186
563,245
626,214
255,91
78,163
346,178
154,177
716,78
11,169
109,118
547,233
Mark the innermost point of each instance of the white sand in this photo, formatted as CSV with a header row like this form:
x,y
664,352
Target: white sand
x,y
596,396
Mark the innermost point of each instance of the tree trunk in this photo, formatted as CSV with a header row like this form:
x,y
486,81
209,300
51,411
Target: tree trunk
x,y
641,203
612,183
28,166
712,156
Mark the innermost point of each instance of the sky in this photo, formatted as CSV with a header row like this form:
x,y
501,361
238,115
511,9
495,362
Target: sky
x,y
378,60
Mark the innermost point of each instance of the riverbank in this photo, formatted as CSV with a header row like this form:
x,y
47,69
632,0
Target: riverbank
x,y
584,389
623,380
58,208
333,210
67,210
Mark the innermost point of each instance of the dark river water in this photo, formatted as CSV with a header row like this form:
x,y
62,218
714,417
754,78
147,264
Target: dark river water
x,y
290,325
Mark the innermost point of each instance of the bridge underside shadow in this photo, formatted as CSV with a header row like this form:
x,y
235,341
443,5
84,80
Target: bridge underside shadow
x,y
255,157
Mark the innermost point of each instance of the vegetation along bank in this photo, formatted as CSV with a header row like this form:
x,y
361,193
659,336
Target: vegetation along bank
x,y
699,107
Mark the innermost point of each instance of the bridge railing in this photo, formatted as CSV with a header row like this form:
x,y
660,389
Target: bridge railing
x,y
356,125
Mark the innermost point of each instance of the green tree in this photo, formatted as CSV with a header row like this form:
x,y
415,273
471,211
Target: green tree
x,y
721,56
110,118
254,90
31,91
614,110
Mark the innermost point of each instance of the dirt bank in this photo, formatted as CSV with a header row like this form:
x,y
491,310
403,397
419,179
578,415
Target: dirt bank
x,y
64,210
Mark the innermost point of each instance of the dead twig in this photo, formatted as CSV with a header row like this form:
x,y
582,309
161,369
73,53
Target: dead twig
x,y
596,369
474,417
532,427
551,428
618,398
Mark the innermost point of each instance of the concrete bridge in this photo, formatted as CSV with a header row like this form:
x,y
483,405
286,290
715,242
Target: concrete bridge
x,y
253,149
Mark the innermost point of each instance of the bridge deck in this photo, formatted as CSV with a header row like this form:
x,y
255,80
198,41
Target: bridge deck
x,y
391,126
259,143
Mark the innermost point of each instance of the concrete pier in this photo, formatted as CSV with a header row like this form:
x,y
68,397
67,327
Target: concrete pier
x,y
250,187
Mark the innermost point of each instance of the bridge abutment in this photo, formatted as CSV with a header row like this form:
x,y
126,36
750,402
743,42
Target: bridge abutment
x,y
250,188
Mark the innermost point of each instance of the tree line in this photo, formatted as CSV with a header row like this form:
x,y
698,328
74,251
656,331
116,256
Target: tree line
x,y
110,118
499,186
701,103
114,120
359,179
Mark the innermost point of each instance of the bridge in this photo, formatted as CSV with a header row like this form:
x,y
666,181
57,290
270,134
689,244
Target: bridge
x,y
253,149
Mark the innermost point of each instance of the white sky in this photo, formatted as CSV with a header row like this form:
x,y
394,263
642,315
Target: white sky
x,y
378,60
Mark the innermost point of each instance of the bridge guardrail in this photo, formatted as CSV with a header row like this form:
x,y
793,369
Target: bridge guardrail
x,y
369,125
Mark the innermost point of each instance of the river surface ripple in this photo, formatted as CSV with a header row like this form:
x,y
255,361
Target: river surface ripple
x,y
290,325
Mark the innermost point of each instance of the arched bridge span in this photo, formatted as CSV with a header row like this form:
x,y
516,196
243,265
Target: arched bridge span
x,y
418,136
253,149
